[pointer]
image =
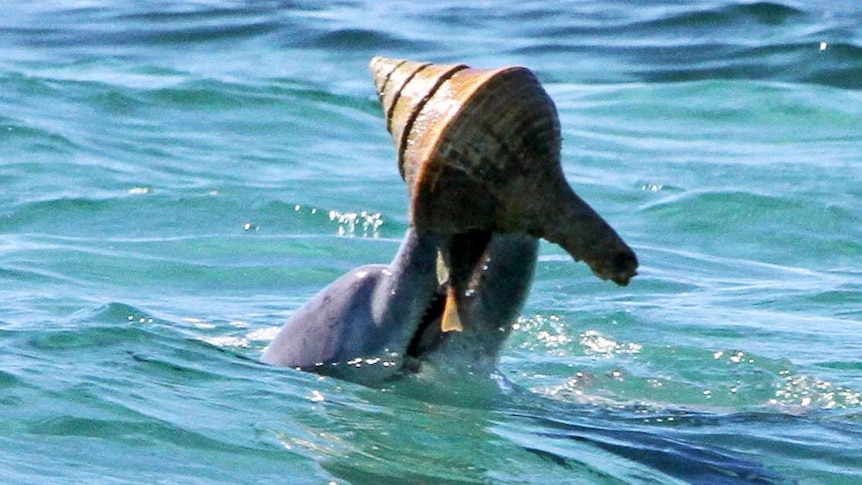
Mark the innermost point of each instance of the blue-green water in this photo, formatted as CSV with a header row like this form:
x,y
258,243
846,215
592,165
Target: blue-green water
x,y
179,177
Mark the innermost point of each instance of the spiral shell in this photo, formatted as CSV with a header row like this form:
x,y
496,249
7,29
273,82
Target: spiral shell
x,y
480,149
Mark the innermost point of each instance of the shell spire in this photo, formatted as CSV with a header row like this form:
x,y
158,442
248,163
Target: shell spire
x,y
480,149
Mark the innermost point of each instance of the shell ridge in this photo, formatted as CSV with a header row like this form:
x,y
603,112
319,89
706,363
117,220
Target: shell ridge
x,y
385,82
405,136
397,94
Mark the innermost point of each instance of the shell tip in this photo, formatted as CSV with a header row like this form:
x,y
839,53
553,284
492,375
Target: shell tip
x,y
381,69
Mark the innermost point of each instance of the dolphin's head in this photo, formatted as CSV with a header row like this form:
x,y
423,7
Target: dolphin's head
x,y
377,322
483,280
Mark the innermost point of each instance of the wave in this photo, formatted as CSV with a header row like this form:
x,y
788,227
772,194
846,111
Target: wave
x,y
357,40
693,43
729,15
559,441
18,137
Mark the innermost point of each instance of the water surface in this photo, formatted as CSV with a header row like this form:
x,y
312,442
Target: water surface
x,y
179,177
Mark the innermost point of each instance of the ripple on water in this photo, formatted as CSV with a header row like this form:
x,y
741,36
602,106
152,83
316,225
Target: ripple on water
x,y
203,168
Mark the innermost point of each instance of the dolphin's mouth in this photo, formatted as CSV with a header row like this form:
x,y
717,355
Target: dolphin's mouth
x,y
429,334
396,314
461,259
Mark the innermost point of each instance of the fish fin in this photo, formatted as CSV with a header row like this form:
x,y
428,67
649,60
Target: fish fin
x,y
451,322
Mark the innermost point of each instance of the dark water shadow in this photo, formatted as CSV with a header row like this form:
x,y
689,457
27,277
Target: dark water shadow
x,y
547,428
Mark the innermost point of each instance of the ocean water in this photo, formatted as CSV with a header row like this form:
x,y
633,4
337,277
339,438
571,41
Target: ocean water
x,y
177,178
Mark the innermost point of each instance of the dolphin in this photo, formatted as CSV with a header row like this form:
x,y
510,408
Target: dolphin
x,y
378,322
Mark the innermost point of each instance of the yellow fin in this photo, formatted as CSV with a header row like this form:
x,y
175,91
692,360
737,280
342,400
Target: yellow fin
x,y
451,322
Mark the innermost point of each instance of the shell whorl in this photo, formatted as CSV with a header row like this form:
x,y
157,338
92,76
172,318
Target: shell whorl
x,y
468,125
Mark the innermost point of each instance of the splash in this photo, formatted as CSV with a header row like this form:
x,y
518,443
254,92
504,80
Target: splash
x,y
811,392
363,224
598,344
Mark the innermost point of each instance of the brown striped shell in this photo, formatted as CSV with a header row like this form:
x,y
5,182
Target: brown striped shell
x,y
480,149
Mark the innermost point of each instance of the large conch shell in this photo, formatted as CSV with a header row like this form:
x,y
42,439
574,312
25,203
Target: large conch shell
x,y
480,149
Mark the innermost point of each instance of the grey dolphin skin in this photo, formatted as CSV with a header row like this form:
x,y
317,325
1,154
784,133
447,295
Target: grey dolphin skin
x,y
379,321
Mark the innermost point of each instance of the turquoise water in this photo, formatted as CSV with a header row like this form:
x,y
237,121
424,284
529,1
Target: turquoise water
x,y
179,177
